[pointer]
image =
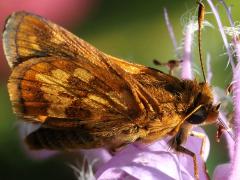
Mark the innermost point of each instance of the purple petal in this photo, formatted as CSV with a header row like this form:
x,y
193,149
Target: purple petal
x,y
137,163
222,172
154,161
235,172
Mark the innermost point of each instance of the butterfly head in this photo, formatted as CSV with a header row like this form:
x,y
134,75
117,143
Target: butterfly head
x,y
203,110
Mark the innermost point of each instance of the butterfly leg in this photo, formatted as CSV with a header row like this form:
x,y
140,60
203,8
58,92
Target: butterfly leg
x,y
203,145
193,155
177,141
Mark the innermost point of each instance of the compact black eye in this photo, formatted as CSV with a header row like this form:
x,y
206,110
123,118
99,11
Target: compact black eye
x,y
198,117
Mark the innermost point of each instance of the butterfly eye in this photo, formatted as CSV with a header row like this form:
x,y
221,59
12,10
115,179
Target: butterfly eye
x,y
199,116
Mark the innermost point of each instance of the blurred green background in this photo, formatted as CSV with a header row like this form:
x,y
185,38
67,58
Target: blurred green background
x,y
133,30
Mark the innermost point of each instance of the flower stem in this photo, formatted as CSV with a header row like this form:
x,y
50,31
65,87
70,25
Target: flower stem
x,y
170,30
220,26
235,171
187,57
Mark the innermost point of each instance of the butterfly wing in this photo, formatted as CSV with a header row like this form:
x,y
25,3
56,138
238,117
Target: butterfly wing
x,y
63,94
63,82
28,36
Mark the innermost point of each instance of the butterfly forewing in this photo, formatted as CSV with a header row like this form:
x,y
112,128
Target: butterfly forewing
x,y
27,36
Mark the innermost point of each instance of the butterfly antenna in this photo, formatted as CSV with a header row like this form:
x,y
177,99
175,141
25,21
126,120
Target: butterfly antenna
x,y
201,14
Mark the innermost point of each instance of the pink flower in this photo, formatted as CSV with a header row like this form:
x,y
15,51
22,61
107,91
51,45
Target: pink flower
x,y
221,172
154,161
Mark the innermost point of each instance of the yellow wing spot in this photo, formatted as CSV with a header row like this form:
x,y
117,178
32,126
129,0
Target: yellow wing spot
x,y
128,67
30,43
60,74
114,98
131,69
89,102
56,84
98,99
45,79
83,74
57,104
58,77
54,89
41,118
